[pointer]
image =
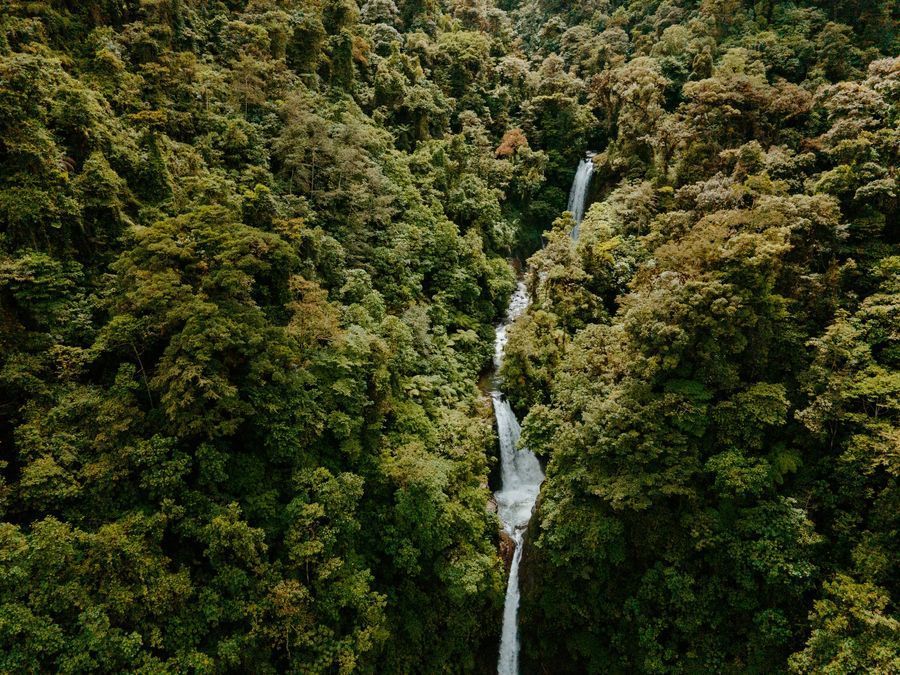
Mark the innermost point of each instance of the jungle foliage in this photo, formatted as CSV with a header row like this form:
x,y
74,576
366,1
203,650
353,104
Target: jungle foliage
x,y
712,371
251,256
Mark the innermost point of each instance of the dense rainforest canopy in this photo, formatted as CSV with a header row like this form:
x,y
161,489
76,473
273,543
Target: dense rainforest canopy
x,y
251,256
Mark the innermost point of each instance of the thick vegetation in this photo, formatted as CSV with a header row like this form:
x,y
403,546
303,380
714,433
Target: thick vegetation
x,y
713,369
250,258
251,253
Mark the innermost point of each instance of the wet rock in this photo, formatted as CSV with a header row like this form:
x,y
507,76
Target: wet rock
x,y
507,549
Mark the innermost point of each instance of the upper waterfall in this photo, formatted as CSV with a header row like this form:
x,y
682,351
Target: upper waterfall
x,y
578,195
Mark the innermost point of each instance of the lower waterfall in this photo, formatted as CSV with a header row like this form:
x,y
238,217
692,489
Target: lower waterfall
x,y
521,476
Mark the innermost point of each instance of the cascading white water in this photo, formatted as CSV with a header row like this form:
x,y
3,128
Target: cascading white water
x,y
520,470
579,193
521,474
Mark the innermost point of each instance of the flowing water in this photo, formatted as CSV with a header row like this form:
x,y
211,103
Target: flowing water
x,y
579,193
520,470
521,474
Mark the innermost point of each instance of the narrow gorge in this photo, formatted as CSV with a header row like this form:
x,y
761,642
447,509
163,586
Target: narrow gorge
x,y
521,477
520,470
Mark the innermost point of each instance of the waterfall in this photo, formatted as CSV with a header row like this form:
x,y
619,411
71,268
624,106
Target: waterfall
x,y
520,470
521,477
578,195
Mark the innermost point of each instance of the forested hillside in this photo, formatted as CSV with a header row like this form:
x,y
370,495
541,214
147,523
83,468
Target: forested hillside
x,y
713,369
250,260
252,253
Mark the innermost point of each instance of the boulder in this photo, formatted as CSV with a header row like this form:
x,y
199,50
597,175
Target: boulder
x,y
507,549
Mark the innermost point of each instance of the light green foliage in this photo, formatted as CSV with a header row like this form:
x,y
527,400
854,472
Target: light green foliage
x,y
852,632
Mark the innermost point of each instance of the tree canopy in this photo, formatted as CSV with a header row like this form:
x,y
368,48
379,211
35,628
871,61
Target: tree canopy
x,y
252,253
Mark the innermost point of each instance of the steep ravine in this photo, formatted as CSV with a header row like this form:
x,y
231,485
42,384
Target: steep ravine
x,y
520,471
